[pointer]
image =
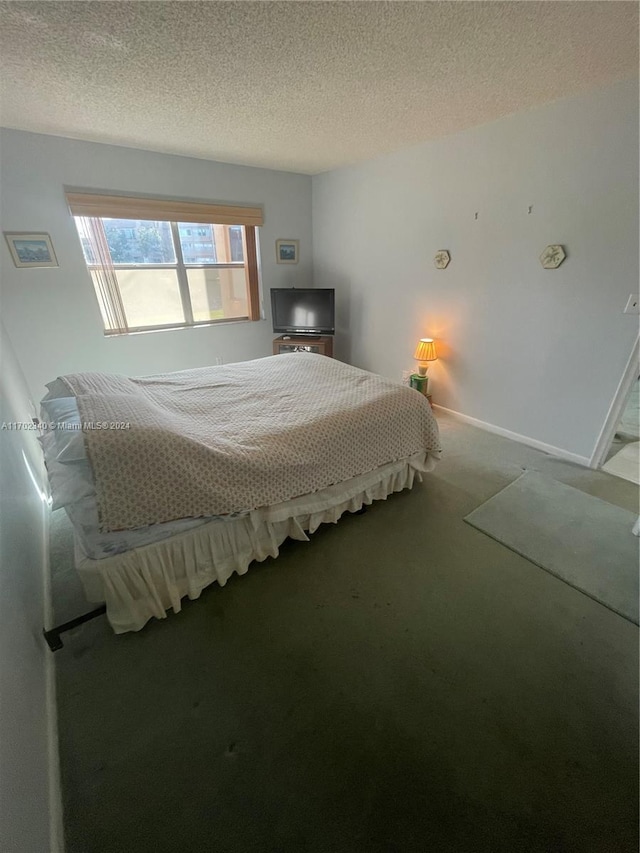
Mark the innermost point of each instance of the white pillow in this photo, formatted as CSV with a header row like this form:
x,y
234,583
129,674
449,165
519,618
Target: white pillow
x,y
61,409
57,389
63,414
69,483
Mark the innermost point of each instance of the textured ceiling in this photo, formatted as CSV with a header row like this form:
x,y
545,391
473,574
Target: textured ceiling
x,y
302,86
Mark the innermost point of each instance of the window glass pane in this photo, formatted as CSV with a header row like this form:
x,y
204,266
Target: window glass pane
x,y
139,241
85,241
198,243
103,312
218,294
235,241
211,244
150,297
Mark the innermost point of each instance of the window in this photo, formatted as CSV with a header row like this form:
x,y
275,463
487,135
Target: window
x,y
161,264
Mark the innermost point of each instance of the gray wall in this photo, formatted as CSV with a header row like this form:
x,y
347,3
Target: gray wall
x,y
53,315
24,658
529,350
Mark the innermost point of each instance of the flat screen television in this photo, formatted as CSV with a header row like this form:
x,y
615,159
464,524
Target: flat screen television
x,y
303,311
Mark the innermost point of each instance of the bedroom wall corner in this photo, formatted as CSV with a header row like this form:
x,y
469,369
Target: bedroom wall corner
x,y
536,352
29,765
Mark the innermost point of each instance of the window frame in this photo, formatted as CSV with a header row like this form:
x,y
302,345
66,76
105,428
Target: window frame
x,y
103,207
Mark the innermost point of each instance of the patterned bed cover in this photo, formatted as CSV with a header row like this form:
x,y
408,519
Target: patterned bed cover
x,y
232,438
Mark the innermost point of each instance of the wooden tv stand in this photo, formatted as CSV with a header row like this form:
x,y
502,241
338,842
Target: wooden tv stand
x,y
322,344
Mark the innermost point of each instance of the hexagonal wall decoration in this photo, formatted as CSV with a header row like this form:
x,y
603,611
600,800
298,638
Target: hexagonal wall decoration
x,y
441,259
552,257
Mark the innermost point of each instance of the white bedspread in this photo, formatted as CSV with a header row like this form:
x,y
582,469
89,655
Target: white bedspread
x,y
226,439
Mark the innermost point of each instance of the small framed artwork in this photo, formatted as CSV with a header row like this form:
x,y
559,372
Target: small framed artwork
x,y
287,251
31,250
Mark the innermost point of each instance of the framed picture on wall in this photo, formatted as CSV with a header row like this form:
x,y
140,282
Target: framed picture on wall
x,y
31,250
287,251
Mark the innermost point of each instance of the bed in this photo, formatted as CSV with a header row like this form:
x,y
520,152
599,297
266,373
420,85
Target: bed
x,y
176,481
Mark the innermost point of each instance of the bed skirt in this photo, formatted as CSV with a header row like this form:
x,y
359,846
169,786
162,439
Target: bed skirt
x,y
146,582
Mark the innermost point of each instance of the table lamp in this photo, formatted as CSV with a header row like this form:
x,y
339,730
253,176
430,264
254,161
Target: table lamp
x,y
425,352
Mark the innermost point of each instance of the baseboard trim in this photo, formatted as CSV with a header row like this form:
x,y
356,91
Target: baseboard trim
x,y
56,831
56,825
515,436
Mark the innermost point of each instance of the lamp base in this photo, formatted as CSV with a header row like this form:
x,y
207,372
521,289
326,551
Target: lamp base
x,y
420,383
422,369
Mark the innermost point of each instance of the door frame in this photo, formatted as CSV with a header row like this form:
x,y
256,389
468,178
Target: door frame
x,y
630,375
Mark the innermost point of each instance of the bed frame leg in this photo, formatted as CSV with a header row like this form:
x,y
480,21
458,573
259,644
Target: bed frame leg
x,y
53,638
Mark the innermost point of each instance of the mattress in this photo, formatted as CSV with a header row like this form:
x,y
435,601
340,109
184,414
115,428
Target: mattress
x,y
98,545
72,488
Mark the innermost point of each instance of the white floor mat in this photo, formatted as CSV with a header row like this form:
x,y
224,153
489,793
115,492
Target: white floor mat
x,y
626,463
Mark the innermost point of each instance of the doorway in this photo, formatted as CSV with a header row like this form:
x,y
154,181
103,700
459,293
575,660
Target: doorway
x,y
618,445
623,457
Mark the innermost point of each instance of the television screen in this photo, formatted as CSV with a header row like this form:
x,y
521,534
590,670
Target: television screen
x,y
303,311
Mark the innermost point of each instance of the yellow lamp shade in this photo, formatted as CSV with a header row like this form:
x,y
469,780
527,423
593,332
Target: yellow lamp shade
x,y
426,350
